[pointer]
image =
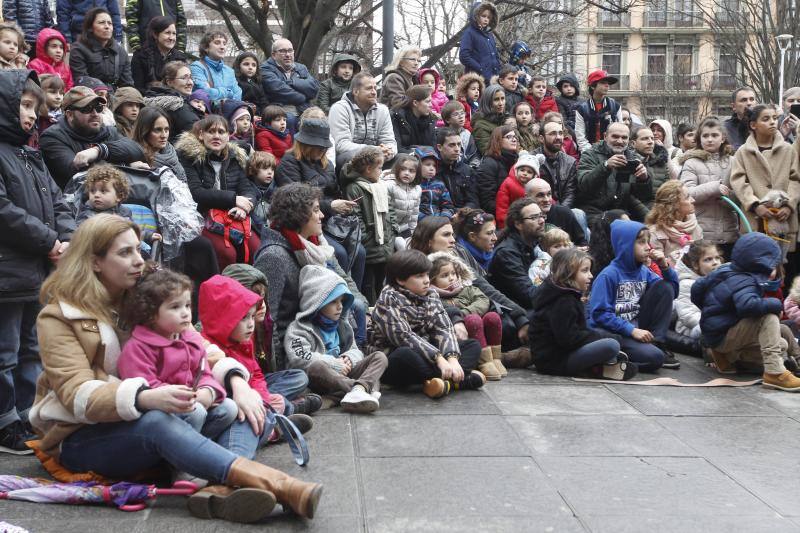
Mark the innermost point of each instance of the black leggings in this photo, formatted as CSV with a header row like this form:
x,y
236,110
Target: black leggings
x,y
409,367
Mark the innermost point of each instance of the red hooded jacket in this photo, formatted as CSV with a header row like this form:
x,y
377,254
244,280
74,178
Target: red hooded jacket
x,y
43,64
510,190
547,104
223,303
268,140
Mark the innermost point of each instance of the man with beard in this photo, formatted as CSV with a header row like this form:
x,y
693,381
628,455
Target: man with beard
x,y
455,174
80,139
515,253
612,176
736,128
557,215
558,169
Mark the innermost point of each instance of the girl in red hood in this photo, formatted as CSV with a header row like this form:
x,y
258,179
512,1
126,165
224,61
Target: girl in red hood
x,y
51,49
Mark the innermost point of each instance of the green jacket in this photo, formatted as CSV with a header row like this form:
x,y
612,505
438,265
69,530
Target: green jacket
x,y
482,129
658,168
470,300
356,186
332,89
599,190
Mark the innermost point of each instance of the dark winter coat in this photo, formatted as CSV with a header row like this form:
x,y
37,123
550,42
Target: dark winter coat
x,y
736,131
297,91
109,64
567,106
33,214
508,272
658,169
70,13
478,49
253,93
139,13
334,88
558,327
562,174
147,65
410,130
459,178
491,173
482,128
357,186
182,115
200,175
736,290
30,15
290,170
563,218
60,143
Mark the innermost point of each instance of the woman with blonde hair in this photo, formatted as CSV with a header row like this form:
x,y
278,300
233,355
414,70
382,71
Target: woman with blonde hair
x,y
88,418
400,75
672,223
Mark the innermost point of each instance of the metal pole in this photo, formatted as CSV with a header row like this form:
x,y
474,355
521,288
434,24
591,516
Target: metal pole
x,y
780,94
388,31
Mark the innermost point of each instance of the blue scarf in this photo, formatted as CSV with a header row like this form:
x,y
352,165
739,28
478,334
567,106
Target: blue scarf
x,y
484,259
329,331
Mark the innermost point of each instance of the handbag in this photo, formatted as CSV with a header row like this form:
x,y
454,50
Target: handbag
x,y
236,232
346,230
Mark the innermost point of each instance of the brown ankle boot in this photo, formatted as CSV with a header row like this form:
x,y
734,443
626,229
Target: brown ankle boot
x,y
301,496
486,365
234,505
497,359
518,358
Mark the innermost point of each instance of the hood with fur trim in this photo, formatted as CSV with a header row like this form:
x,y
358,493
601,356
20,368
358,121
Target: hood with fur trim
x,y
467,79
477,7
193,148
461,268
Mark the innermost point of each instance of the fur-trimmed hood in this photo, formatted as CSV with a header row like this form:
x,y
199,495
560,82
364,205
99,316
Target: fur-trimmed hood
x,y
477,7
464,272
465,80
192,148
699,153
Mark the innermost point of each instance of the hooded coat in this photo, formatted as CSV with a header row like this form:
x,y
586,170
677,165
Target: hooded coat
x,y
482,128
216,78
438,99
510,190
478,49
355,186
688,313
617,289
125,95
736,290
470,299
182,115
109,63
702,174
298,91
568,105
334,88
200,174
44,64
33,214
405,199
304,342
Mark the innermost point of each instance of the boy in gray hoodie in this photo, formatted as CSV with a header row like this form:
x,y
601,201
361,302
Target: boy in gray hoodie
x,y
321,341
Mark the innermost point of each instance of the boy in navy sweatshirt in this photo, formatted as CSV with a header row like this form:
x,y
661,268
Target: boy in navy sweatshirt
x,y
631,300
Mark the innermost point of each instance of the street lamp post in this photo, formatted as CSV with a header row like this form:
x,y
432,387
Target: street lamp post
x,y
784,41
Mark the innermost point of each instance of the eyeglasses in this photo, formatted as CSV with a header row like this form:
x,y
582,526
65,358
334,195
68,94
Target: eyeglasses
x,y
510,137
412,59
97,107
285,51
540,216
183,78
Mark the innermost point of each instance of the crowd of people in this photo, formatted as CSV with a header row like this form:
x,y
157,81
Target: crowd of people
x,y
188,248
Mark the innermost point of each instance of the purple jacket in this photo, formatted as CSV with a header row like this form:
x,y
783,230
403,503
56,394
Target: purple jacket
x,y
164,362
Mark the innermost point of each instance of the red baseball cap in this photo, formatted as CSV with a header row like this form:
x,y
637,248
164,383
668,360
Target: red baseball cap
x,y
601,75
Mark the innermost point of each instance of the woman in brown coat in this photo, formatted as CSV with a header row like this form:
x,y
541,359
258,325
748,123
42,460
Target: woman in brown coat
x,y
400,75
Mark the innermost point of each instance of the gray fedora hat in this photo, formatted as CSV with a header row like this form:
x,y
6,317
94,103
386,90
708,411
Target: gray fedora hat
x,y
314,132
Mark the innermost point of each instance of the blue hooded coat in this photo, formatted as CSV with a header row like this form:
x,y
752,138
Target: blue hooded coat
x,y
478,50
736,290
616,291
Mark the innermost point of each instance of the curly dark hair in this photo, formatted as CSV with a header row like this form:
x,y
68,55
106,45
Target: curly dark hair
x,y
155,288
291,205
110,175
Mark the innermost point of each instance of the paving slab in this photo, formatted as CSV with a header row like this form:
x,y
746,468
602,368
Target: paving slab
x,y
693,401
547,522
601,435
559,400
677,522
437,436
331,435
412,402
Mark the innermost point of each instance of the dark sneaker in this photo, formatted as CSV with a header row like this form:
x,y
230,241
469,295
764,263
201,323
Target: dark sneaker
x,y
303,422
308,404
13,437
473,380
670,361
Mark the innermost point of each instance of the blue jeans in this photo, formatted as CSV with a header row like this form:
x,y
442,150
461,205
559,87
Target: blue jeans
x,y
152,439
591,355
20,365
359,312
213,421
289,384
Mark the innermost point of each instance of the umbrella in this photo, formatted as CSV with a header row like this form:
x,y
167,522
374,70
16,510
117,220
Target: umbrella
x,y
123,495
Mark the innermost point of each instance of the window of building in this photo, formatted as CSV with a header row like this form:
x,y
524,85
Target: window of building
x,y
682,70
656,14
726,76
612,56
727,12
683,13
655,76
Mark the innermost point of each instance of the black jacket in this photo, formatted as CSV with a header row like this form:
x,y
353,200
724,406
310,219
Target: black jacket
x,y
200,175
459,179
33,213
109,64
568,106
736,131
410,131
508,272
491,174
563,217
182,115
147,65
558,327
562,175
31,15
253,93
290,170
59,144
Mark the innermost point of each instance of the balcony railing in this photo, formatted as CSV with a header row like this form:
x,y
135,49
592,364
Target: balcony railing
x,y
624,82
672,82
672,19
725,82
610,20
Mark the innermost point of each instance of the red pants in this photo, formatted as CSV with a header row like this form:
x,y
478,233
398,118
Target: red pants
x,y
486,329
228,255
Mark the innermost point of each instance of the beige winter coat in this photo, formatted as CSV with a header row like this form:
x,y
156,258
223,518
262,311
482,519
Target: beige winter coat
x,y
754,173
659,240
702,175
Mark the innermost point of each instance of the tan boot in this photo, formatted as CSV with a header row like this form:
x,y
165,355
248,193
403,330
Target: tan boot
x,y
497,358
723,365
785,381
234,505
518,358
301,496
486,365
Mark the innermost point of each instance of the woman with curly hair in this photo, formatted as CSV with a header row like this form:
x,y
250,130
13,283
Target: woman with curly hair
x,y
672,224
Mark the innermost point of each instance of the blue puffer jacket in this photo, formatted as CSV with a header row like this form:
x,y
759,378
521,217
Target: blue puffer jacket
x,y
223,79
297,91
70,16
478,51
736,290
31,15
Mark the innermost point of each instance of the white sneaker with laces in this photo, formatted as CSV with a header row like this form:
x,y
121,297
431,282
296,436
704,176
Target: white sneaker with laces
x,y
359,401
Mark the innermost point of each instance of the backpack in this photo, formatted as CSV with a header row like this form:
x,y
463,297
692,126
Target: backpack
x,y
237,232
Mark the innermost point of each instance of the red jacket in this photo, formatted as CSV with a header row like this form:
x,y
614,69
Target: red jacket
x,y
547,104
268,140
511,189
43,64
467,114
222,304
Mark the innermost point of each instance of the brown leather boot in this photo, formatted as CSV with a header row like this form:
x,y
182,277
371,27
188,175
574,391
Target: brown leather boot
x,y
486,365
301,496
245,505
518,358
497,359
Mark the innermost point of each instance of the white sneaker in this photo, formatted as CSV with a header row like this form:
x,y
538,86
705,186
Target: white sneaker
x,y
375,394
359,401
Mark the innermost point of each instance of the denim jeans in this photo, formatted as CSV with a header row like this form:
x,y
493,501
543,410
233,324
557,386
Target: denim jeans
x,y
213,421
590,355
359,313
289,384
20,365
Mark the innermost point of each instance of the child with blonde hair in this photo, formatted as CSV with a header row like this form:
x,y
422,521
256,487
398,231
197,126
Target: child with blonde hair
x,y
12,46
551,241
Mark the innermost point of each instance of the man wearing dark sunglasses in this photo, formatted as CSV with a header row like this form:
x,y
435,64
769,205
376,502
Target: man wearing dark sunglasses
x,y
80,139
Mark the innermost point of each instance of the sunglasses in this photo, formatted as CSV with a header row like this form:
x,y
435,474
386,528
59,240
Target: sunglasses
x,y
97,107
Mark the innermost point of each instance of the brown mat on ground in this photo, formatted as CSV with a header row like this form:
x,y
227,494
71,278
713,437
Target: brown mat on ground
x,y
672,382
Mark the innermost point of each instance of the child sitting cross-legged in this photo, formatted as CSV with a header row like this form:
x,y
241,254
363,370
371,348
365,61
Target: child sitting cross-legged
x,y
321,342
410,324
551,241
561,342
435,200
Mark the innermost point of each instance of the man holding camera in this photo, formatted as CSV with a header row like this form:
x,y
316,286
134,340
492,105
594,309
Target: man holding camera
x,y
612,176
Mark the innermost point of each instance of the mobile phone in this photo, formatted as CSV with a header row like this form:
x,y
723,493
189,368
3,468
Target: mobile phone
x,y
795,110
631,165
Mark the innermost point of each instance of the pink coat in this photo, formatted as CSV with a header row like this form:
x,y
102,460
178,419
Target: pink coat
x,y
42,63
792,310
164,362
